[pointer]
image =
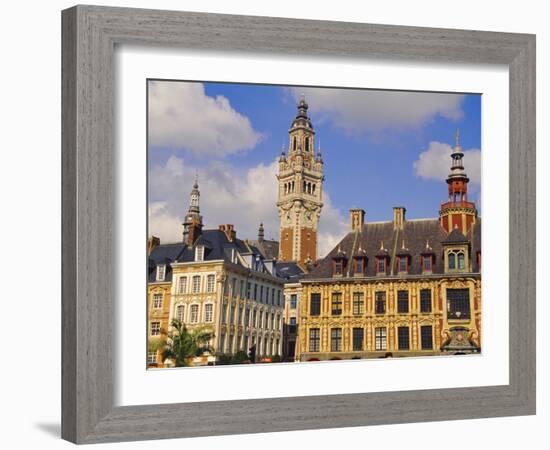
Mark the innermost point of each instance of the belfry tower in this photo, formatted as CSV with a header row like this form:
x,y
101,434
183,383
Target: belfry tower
x,y
192,225
457,212
300,191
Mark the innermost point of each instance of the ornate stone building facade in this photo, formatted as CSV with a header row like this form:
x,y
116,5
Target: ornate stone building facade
x,y
300,189
213,279
398,288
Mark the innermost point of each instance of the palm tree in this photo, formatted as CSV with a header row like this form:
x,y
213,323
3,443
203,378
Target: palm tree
x,y
183,344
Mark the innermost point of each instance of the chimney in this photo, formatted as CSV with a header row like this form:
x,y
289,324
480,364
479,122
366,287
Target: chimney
x,y
194,231
357,218
398,217
152,242
229,231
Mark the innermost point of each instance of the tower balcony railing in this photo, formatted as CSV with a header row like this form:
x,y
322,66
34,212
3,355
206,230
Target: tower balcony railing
x,y
458,204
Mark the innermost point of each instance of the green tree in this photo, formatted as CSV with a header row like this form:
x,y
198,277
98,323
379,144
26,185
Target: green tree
x,y
183,344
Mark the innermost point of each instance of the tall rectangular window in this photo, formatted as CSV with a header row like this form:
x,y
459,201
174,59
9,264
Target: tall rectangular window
x,y
182,285
425,300
380,341
254,319
427,263
381,265
157,300
292,325
241,284
358,303
338,267
278,297
161,272
293,301
180,313
199,253
208,312
403,338
272,296
359,265
155,328
262,294
336,340
255,291
151,357
402,302
458,303
314,340
315,305
358,334
211,281
426,337
402,263
194,313
380,303
233,287
336,304
196,284
247,317
248,290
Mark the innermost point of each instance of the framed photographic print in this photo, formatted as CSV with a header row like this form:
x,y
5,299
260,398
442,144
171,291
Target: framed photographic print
x,y
247,202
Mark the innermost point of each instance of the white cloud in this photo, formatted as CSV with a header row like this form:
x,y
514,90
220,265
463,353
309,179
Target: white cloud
x,y
358,111
181,115
227,196
435,162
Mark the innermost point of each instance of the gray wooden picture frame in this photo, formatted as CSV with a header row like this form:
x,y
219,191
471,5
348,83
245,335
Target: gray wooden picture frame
x,y
90,34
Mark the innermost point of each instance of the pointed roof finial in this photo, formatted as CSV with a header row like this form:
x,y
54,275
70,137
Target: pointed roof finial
x,y
261,232
196,184
457,138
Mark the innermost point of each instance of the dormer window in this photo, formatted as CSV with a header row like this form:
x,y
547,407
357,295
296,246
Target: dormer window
x,y
339,263
338,267
381,265
161,272
359,265
403,263
456,260
427,263
199,253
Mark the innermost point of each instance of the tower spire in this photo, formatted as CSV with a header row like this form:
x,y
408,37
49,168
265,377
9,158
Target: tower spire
x,y
458,211
192,225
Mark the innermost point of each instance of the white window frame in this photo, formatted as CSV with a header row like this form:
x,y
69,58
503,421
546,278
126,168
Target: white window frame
x,y
158,298
196,288
199,253
182,285
209,306
194,305
210,283
152,357
161,272
151,328
177,314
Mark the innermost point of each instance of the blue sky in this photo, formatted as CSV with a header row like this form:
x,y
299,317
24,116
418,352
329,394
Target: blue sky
x,y
381,149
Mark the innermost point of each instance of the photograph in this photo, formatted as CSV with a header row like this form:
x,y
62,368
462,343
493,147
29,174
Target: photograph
x,y
299,224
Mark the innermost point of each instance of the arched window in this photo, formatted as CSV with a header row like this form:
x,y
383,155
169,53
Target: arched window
x,y
452,262
294,144
307,144
313,191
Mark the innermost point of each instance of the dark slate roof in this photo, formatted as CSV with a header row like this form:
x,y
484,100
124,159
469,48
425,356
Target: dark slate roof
x,y
216,247
163,254
268,249
291,271
419,236
455,237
